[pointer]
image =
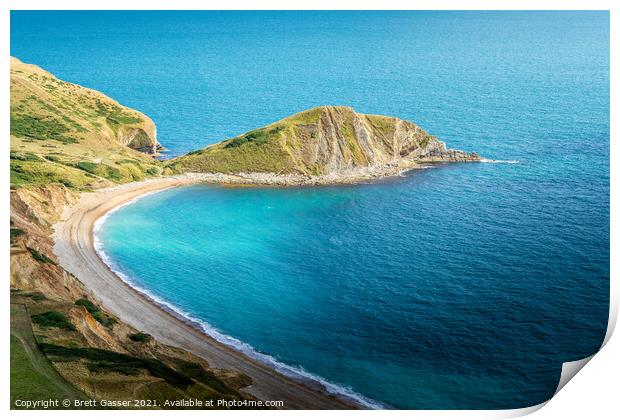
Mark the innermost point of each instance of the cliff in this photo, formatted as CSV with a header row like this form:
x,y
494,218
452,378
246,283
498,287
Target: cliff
x,y
55,319
323,141
62,132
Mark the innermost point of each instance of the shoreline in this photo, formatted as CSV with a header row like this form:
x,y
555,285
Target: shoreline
x,y
74,244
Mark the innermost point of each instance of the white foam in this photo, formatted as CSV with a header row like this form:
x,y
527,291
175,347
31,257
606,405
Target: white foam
x,y
512,162
295,372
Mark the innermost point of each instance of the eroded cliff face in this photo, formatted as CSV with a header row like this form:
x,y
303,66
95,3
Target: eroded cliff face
x,y
33,265
342,140
139,139
327,140
100,355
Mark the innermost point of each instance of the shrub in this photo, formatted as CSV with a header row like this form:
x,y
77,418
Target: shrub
x,y
40,257
53,319
39,128
52,158
139,337
90,307
26,156
113,173
122,368
16,233
67,183
258,137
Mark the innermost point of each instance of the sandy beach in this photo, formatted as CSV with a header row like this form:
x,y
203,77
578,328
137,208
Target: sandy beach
x,y
74,246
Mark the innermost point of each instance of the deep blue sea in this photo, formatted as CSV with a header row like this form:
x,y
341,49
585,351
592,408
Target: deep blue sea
x,y
459,286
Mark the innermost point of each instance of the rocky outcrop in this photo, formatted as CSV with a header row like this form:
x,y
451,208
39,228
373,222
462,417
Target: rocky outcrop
x,y
324,141
138,139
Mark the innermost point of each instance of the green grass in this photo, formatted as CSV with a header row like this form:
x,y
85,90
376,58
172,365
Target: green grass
x,y
40,128
101,317
139,337
77,175
53,319
27,382
384,125
256,137
277,148
44,173
75,123
119,118
25,156
32,376
348,132
256,155
310,116
40,257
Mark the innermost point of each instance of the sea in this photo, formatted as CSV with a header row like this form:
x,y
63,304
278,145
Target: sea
x,y
460,286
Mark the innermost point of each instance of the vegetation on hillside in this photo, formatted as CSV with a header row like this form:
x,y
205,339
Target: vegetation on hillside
x,y
64,133
53,319
139,337
39,256
62,361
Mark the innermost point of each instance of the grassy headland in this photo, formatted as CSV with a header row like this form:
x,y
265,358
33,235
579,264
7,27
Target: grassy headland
x,y
65,133
320,141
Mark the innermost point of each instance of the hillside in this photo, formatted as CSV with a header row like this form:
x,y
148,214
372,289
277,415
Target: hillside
x,y
62,132
64,344
327,140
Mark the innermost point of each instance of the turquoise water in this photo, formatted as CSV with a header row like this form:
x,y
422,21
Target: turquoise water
x,y
460,286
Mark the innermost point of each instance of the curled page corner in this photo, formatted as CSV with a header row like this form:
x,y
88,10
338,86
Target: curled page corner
x,y
519,412
569,370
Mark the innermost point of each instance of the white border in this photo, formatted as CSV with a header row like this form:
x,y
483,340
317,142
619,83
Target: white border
x,y
597,384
